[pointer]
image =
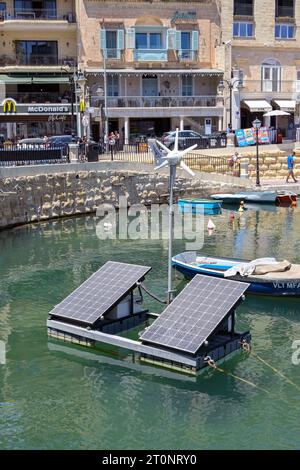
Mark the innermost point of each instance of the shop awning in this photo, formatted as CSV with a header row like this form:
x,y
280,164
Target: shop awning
x,y
286,105
258,106
29,80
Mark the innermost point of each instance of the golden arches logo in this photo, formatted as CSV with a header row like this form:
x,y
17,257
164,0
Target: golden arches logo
x,y
9,106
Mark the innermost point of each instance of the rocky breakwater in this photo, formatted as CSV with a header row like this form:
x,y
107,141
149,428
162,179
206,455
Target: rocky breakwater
x,y
25,199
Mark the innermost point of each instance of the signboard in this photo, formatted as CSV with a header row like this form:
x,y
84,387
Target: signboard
x,y
247,137
47,109
9,105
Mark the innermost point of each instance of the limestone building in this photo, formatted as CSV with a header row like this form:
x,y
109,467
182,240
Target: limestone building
x,y
38,53
262,49
160,60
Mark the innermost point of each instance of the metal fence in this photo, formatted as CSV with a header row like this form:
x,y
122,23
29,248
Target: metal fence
x,y
14,155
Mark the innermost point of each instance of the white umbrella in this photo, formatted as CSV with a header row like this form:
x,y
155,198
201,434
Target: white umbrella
x,y
277,112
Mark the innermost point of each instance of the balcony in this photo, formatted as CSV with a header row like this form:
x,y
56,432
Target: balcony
x,y
37,14
151,55
42,97
186,55
270,88
161,101
37,60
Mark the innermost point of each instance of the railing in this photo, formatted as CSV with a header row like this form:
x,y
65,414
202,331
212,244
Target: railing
x,y
37,14
269,86
187,55
150,54
112,53
160,101
31,154
140,153
42,97
39,60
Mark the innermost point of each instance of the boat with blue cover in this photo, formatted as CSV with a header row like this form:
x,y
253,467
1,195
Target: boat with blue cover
x,y
266,276
200,206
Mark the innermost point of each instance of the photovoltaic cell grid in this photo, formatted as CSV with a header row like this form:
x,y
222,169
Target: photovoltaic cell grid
x,y
195,313
100,292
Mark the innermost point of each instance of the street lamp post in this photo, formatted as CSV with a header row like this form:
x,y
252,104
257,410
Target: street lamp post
x,y
72,92
256,125
100,94
231,84
104,55
80,81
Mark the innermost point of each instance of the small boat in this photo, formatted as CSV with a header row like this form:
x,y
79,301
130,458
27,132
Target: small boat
x,y
251,196
285,199
277,279
200,206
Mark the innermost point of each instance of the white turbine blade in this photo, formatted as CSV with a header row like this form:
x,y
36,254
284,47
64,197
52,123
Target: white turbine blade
x,y
186,168
165,163
176,141
185,151
163,146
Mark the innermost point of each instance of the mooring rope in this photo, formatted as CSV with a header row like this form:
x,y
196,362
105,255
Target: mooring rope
x,y
152,295
248,349
212,364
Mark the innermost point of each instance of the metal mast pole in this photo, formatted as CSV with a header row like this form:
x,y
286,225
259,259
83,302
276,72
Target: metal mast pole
x,y
171,233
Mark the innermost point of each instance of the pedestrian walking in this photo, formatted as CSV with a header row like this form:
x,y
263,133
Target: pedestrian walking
x,y
112,144
117,139
290,164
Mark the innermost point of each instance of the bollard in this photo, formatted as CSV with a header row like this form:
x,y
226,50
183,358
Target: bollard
x,y
244,173
73,152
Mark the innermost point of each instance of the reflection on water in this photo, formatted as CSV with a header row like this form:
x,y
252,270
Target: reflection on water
x,y
68,397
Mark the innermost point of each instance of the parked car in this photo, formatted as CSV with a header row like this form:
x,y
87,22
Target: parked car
x,y
185,139
61,141
31,143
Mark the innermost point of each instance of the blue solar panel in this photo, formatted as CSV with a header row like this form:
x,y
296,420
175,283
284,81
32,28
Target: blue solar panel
x,y
100,292
195,313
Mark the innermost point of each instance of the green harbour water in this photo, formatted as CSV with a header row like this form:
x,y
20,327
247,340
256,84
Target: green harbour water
x,y
57,396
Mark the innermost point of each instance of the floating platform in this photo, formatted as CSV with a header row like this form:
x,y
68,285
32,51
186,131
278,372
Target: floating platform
x,y
200,322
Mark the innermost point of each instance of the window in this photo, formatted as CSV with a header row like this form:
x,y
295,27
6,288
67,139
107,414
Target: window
x,y
36,52
38,8
187,85
243,30
284,31
271,76
148,41
285,8
112,85
111,44
243,7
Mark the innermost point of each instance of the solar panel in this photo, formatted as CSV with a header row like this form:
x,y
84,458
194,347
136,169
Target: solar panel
x,y
195,313
100,292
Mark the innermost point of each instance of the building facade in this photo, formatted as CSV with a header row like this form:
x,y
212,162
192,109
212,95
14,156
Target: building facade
x,y
159,60
38,53
261,41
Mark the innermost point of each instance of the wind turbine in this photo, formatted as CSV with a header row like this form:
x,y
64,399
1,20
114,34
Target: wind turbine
x,y
173,158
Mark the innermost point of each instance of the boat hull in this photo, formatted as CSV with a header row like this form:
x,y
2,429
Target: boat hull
x,y
200,206
255,196
282,288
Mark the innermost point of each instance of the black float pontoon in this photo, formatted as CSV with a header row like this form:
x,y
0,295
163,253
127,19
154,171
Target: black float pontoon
x,y
200,322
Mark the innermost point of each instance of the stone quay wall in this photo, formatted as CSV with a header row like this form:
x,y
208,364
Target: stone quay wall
x,y
30,198
272,164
